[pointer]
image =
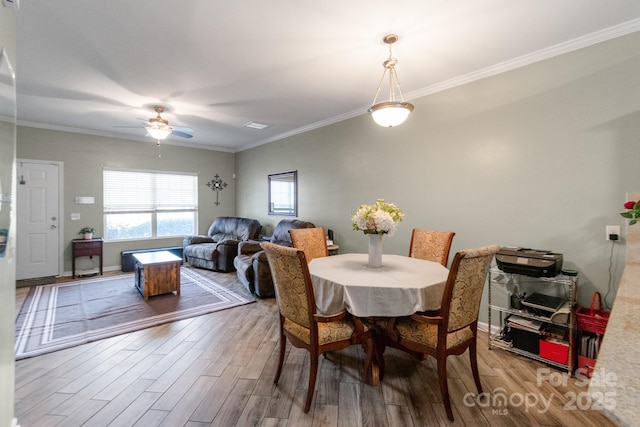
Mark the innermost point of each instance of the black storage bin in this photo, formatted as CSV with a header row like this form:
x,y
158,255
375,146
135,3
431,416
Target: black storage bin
x,y
525,340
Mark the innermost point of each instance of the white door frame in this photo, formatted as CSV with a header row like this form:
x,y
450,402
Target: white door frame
x,y
61,214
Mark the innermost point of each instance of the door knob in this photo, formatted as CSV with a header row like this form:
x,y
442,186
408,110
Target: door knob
x,y
53,226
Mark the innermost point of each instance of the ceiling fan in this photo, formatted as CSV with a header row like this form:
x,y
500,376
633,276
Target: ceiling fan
x,y
158,128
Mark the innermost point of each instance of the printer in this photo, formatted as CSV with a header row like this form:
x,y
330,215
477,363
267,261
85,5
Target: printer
x,y
529,262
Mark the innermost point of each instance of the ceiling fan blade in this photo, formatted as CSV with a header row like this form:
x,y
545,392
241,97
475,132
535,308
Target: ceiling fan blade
x,y
181,134
130,127
182,128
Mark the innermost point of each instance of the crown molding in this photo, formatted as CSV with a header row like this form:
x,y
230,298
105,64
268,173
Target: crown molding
x,y
521,61
524,60
114,135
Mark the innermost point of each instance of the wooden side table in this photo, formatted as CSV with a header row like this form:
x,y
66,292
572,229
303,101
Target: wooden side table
x,y
85,247
157,273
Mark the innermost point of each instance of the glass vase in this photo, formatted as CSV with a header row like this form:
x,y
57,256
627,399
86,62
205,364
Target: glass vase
x,y
375,250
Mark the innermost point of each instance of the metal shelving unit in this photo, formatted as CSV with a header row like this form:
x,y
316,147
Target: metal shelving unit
x,y
499,284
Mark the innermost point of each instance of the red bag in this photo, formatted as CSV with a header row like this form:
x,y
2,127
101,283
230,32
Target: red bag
x,y
593,319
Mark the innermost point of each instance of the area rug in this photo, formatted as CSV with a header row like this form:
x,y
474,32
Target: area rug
x,y
58,316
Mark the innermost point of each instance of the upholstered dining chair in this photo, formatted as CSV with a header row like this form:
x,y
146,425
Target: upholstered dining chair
x,y
431,245
455,329
299,321
312,241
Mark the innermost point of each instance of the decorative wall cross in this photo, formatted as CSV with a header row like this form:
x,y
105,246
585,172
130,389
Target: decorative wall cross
x,y
217,185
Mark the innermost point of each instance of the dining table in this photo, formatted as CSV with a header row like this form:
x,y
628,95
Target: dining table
x,y
400,287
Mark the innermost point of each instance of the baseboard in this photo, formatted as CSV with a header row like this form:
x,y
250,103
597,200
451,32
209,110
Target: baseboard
x,y
37,281
105,269
48,280
484,327
14,423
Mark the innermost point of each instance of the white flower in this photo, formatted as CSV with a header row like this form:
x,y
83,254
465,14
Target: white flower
x,y
379,218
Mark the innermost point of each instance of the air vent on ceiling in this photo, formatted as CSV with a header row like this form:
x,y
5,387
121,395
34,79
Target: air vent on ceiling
x,y
255,125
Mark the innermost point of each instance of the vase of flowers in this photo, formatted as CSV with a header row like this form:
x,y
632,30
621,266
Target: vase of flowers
x,y
377,220
633,211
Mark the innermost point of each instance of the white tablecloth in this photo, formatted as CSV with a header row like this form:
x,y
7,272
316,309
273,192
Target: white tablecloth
x,y
400,287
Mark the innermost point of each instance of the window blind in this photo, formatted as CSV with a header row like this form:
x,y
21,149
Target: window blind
x,y
137,191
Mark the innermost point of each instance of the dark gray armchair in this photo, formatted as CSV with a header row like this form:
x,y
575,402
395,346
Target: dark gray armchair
x,y
217,249
251,263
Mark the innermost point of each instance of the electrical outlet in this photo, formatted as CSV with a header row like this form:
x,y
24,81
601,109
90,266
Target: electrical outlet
x,y
612,229
75,216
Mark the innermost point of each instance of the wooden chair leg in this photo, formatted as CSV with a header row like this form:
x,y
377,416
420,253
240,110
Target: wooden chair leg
x,y
283,346
444,389
473,356
313,373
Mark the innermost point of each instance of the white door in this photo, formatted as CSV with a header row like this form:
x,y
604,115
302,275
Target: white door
x,y
38,219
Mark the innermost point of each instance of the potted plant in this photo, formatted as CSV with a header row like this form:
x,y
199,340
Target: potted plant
x,y
4,232
87,232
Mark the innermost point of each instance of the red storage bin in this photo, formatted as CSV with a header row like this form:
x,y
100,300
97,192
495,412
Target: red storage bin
x,y
593,319
554,351
586,363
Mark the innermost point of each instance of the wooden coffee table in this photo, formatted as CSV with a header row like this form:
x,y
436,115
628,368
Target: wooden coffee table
x,y
157,273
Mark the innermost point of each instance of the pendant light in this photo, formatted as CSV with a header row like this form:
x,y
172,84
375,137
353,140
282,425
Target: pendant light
x,y
394,111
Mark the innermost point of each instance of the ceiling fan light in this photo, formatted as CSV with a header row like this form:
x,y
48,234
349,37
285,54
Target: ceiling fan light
x,y
159,132
389,114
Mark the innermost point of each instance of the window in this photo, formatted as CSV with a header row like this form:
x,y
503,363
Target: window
x,y
140,204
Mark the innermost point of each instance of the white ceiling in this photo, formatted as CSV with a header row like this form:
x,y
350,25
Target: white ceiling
x,y
88,66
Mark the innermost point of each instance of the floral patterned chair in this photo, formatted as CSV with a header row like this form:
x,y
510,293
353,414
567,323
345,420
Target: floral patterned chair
x,y
312,241
455,329
299,321
431,245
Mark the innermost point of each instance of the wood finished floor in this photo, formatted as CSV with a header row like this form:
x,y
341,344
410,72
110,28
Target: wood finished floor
x,y
218,370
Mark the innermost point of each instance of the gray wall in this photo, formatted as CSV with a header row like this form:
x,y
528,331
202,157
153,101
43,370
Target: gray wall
x,y
7,263
84,156
541,156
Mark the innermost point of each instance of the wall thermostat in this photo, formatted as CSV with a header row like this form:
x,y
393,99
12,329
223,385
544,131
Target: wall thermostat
x,y
85,200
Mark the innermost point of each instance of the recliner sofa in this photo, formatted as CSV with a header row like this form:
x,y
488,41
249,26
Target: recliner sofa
x,y
217,250
251,264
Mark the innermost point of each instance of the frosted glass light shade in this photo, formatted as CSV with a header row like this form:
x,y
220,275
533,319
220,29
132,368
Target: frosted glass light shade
x,y
159,132
389,114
